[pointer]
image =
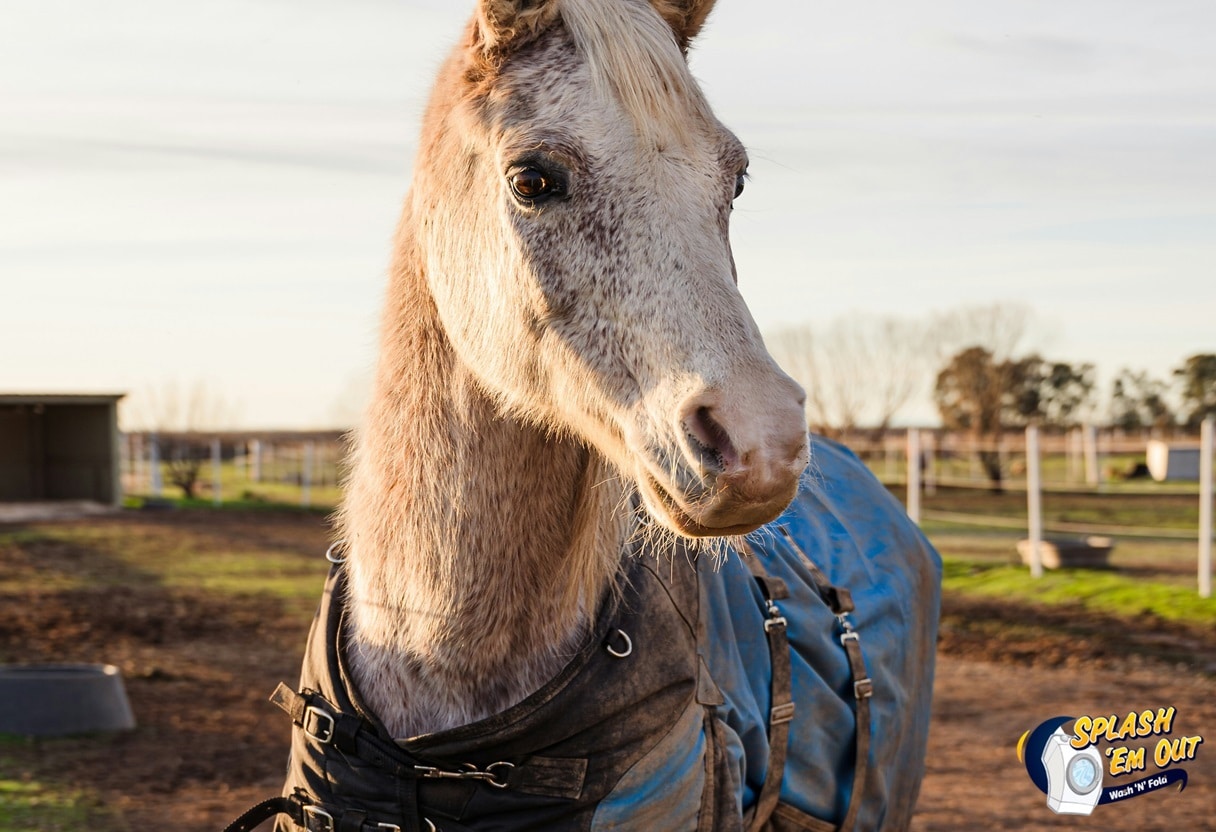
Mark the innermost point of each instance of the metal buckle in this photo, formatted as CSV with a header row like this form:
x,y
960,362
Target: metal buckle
x,y
863,688
395,828
487,775
316,813
850,635
325,725
770,623
775,618
781,713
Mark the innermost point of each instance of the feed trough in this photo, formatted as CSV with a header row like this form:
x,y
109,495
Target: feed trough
x,y
1070,552
57,699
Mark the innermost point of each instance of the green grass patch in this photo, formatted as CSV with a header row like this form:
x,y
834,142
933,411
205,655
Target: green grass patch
x,y
31,806
257,572
1097,590
65,557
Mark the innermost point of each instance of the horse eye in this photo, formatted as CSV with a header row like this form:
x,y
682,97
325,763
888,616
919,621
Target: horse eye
x,y
530,184
740,181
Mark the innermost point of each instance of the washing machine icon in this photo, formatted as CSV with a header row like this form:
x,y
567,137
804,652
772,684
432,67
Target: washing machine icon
x,y
1074,778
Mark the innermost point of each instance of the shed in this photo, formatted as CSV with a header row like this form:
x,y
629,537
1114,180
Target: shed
x,y
59,447
1172,461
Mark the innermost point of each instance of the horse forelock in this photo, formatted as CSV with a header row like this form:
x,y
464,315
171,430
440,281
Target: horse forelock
x,y
634,57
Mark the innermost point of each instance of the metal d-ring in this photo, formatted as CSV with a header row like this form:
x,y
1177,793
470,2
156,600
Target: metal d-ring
x,y
430,826
620,654
329,553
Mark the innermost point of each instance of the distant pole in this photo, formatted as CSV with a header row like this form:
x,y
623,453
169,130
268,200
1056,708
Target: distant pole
x,y
255,460
1074,455
306,476
930,443
215,473
154,482
1089,441
914,475
1034,503
1205,508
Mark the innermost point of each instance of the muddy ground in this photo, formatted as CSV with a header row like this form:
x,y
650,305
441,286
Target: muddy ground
x,y
199,666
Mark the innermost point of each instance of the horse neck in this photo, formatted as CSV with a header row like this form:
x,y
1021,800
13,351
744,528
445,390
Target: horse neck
x,y
478,545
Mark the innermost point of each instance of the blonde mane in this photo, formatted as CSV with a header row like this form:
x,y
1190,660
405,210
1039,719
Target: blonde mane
x,y
633,57
562,330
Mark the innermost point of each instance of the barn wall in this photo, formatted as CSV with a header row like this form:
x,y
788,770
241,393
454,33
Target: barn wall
x,y
58,451
17,467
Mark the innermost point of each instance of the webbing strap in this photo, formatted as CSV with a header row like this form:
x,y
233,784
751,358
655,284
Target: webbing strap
x,y
781,708
863,689
264,811
313,818
840,601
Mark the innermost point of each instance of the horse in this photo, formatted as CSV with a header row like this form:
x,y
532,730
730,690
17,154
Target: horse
x,y
576,441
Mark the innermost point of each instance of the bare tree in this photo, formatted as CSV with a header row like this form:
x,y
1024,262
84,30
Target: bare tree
x,y
999,328
180,418
857,369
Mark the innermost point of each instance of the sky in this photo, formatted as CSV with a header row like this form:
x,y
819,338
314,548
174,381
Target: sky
x,y
204,193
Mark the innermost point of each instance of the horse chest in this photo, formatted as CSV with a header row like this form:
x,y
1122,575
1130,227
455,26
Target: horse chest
x,y
623,737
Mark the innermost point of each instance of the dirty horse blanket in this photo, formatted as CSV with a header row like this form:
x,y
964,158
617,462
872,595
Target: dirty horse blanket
x,y
663,720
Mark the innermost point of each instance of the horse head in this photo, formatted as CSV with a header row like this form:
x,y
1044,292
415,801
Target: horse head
x,y
571,208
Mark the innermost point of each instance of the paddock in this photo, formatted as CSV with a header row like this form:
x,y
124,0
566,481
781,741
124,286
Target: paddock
x,y
203,636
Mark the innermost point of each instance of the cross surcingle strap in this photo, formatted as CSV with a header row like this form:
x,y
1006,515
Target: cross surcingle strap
x,y
840,602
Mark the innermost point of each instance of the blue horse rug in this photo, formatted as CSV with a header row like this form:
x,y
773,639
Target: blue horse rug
x,y
785,688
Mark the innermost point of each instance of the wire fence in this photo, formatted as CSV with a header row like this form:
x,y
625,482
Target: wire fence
x,y
1099,487
279,467
1083,483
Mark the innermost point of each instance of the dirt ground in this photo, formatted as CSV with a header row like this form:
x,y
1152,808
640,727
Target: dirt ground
x,y
199,666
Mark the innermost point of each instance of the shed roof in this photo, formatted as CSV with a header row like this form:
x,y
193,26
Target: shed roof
x,y
60,398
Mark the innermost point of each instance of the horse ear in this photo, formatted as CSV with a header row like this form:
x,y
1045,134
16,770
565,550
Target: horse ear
x,y
686,17
503,25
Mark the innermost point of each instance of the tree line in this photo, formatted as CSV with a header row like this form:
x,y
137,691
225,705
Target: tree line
x,y
862,370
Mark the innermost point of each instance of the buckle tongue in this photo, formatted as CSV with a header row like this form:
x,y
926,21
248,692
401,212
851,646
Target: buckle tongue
x,y
324,725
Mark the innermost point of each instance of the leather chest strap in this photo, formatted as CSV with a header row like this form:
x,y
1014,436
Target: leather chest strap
x,y
840,602
781,708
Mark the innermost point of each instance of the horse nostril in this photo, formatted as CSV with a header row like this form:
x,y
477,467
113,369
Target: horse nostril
x,y
710,441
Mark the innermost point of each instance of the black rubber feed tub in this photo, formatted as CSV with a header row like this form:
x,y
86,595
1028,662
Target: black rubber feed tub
x,y
48,700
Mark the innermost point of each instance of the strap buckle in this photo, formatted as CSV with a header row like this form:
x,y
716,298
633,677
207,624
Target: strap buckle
x,y
781,713
488,775
324,725
775,618
317,819
863,688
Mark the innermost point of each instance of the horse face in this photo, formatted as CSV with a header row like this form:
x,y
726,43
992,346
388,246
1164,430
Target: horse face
x,y
574,194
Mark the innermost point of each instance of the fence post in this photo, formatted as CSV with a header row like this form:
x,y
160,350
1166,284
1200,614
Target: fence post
x,y
1034,503
138,480
1205,508
914,475
306,476
1089,440
930,443
154,481
216,459
255,460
